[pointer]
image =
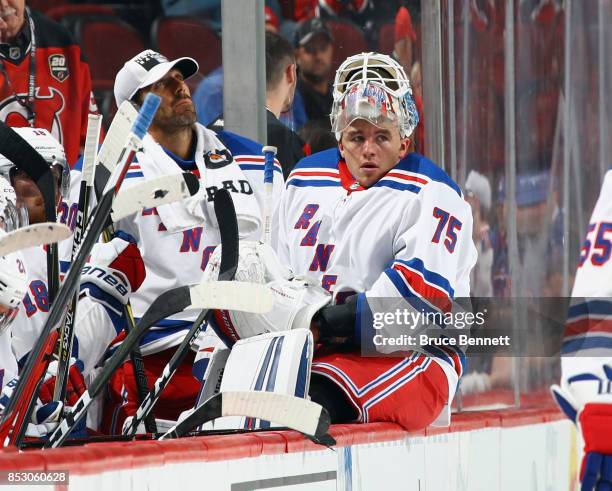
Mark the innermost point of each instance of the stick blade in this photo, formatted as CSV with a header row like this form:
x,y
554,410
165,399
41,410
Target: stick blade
x,y
154,192
301,415
232,295
33,235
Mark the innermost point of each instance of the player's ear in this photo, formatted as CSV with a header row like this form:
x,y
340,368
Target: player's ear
x,y
341,147
404,147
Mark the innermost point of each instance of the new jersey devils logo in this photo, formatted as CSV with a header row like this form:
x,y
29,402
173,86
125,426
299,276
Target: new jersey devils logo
x,y
47,114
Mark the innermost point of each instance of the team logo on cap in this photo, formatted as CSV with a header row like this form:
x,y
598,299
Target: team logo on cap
x,y
149,59
58,67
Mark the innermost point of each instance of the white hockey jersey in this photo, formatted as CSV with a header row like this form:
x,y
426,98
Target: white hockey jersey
x,y
409,235
94,329
179,258
587,343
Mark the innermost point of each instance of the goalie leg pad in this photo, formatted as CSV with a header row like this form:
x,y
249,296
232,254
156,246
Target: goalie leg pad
x,y
274,362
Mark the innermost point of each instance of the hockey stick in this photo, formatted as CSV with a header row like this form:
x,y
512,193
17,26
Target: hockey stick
x,y
107,159
228,228
198,297
32,236
301,415
22,402
20,153
269,154
66,333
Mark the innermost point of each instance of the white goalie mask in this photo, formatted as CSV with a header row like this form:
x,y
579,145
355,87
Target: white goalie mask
x,y
13,214
13,283
373,87
51,150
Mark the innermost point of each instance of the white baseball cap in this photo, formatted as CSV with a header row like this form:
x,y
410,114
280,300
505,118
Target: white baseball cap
x,y
479,186
145,69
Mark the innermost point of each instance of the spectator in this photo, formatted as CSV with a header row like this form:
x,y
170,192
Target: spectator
x,y
318,136
417,91
44,81
281,79
314,51
478,195
208,96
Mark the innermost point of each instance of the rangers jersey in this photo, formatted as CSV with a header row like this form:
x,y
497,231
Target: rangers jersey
x,y
174,259
409,235
587,343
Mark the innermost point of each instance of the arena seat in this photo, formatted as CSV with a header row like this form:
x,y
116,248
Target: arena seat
x,y
70,15
45,5
386,38
107,43
184,36
348,40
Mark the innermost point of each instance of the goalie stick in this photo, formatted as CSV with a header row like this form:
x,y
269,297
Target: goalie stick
x,y
32,236
22,402
307,417
23,156
66,333
225,214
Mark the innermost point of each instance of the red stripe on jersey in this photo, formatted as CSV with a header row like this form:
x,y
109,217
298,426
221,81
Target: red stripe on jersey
x,y
435,296
315,174
588,325
406,177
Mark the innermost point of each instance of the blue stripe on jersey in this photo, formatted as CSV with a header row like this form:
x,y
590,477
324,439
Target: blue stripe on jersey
x,y
586,342
405,292
131,175
431,276
315,183
387,183
239,145
325,159
590,307
363,314
419,164
64,266
259,167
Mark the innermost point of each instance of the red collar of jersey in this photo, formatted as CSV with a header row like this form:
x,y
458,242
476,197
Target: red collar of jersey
x,y
346,178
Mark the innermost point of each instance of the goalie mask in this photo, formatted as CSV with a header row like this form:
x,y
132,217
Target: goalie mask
x,y
51,150
13,214
373,87
13,282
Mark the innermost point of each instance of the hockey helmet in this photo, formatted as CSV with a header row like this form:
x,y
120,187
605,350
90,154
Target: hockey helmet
x,y
374,87
51,150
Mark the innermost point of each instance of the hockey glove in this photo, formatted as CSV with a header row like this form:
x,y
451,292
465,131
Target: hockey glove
x,y
587,401
115,268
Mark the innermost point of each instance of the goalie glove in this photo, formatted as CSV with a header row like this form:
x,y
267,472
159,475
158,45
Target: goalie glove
x,y
295,302
115,268
586,399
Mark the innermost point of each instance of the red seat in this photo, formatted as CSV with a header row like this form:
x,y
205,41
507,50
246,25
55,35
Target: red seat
x,y
348,40
107,43
45,5
181,36
58,12
386,38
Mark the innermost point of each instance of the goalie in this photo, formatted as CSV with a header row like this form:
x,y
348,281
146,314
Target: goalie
x,y
365,220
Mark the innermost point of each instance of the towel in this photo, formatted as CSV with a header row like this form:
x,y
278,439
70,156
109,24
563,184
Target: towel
x,y
217,169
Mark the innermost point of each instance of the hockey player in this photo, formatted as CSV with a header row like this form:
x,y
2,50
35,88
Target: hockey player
x,y
585,393
99,312
176,240
369,220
